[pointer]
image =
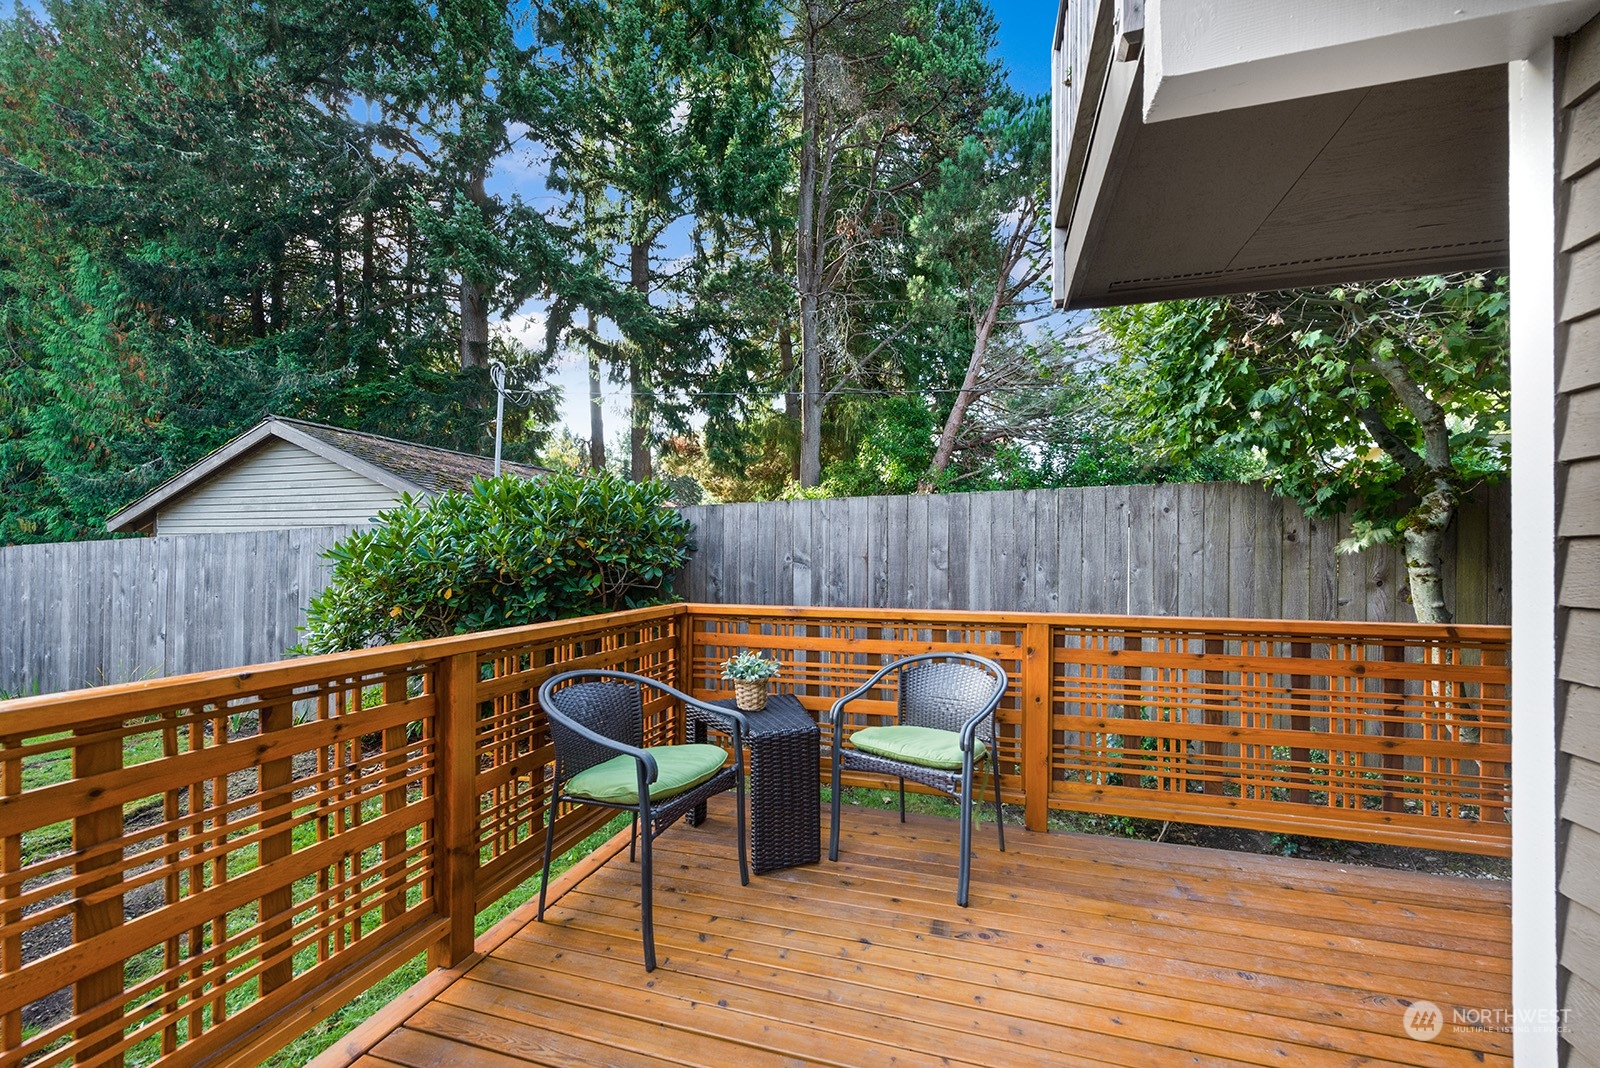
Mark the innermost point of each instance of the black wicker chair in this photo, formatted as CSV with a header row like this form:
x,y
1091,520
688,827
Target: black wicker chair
x,y
943,700
597,727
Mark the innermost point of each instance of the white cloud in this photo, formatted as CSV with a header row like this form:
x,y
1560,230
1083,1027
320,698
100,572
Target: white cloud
x,y
526,328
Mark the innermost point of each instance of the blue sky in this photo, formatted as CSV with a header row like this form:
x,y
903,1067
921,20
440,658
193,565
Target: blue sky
x,y
1026,27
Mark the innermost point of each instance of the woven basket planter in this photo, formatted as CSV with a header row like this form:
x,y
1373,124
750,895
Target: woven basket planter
x,y
750,695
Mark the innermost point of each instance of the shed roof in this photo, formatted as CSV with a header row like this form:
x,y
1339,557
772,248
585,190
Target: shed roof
x,y
403,466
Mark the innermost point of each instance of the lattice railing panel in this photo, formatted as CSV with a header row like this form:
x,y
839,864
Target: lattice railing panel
x,y
826,653
1377,735
213,854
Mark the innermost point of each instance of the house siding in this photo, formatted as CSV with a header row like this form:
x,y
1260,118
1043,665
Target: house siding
x,y
1578,548
280,486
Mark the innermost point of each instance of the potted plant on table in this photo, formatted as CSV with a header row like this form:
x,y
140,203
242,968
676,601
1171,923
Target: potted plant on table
x,y
749,673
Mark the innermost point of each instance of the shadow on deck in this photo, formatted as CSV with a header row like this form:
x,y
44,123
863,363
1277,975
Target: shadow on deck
x,y
1075,950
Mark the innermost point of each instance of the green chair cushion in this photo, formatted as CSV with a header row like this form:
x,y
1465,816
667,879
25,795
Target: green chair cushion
x,y
679,767
927,747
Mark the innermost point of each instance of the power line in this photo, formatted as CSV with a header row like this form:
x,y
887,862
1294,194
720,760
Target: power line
x,y
698,394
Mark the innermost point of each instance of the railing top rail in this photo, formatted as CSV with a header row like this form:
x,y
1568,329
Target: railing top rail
x,y
1289,628
49,711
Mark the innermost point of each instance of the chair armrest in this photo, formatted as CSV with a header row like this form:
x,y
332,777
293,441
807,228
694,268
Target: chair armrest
x,y
835,710
970,727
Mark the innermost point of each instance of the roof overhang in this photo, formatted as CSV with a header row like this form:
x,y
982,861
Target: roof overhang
x,y
1250,145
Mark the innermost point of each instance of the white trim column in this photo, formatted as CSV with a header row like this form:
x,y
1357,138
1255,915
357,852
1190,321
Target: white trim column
x,y
1532,183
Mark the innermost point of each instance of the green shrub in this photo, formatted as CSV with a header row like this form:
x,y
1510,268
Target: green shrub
x,y
506,553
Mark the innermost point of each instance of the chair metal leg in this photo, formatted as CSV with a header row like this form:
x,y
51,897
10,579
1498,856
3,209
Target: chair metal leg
x,y
633,838
646,909
966,833
549,840
999,813
833,824
738,819
902,799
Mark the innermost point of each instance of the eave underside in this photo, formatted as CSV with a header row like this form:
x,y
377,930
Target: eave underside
x,y
1400,179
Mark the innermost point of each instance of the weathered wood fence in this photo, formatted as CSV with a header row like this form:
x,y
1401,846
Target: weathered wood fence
x,y
92,613
1216,549
97,612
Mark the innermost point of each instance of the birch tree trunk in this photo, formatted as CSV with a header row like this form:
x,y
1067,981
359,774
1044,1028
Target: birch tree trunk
x,y
1424,525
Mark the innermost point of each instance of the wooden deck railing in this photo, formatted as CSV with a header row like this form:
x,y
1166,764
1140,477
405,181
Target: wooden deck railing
x,y
197,869
1374,732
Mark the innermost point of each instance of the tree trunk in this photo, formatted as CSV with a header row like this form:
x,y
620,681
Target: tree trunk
x,y
969,385
474,297
791,396
337,255
808,273
275,297
369,264
597,430
1426,523
1424,548
638,379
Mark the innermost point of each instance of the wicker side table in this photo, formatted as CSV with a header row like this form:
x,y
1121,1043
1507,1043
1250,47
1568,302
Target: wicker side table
x,y
785,779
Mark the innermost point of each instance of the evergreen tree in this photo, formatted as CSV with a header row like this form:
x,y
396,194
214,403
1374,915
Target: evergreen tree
x,y
672,141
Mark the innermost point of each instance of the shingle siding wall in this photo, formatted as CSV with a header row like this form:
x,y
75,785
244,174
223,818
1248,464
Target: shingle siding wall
x,y
1578,548
278,487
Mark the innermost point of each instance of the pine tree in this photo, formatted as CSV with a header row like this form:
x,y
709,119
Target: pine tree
x,y
673,139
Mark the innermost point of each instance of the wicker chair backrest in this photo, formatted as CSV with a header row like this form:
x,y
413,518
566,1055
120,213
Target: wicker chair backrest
x,y
613,709
944,694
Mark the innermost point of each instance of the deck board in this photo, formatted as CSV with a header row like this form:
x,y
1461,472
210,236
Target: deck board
x,y
1075,950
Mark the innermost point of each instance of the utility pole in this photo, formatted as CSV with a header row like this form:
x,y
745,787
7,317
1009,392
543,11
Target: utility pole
x,y
497,374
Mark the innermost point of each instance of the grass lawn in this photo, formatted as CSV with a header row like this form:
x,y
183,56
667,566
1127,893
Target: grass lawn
x,y
341,1023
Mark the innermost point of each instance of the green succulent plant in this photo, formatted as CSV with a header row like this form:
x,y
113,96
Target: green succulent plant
x,y
749,667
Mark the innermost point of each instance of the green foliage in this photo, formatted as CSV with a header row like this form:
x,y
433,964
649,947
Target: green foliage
x,y
509,552
888,453
198,227
750,667
1328,389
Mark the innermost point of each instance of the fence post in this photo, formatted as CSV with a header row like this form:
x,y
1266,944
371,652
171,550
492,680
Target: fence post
x,y
275,782
102,989
455,819
1037,737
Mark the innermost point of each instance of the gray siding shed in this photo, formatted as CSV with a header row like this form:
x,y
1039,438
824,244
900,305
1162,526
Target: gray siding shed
x,y
284,474
279,486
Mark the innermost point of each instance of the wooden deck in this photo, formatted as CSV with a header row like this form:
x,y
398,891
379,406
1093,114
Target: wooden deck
x,y
1075,950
